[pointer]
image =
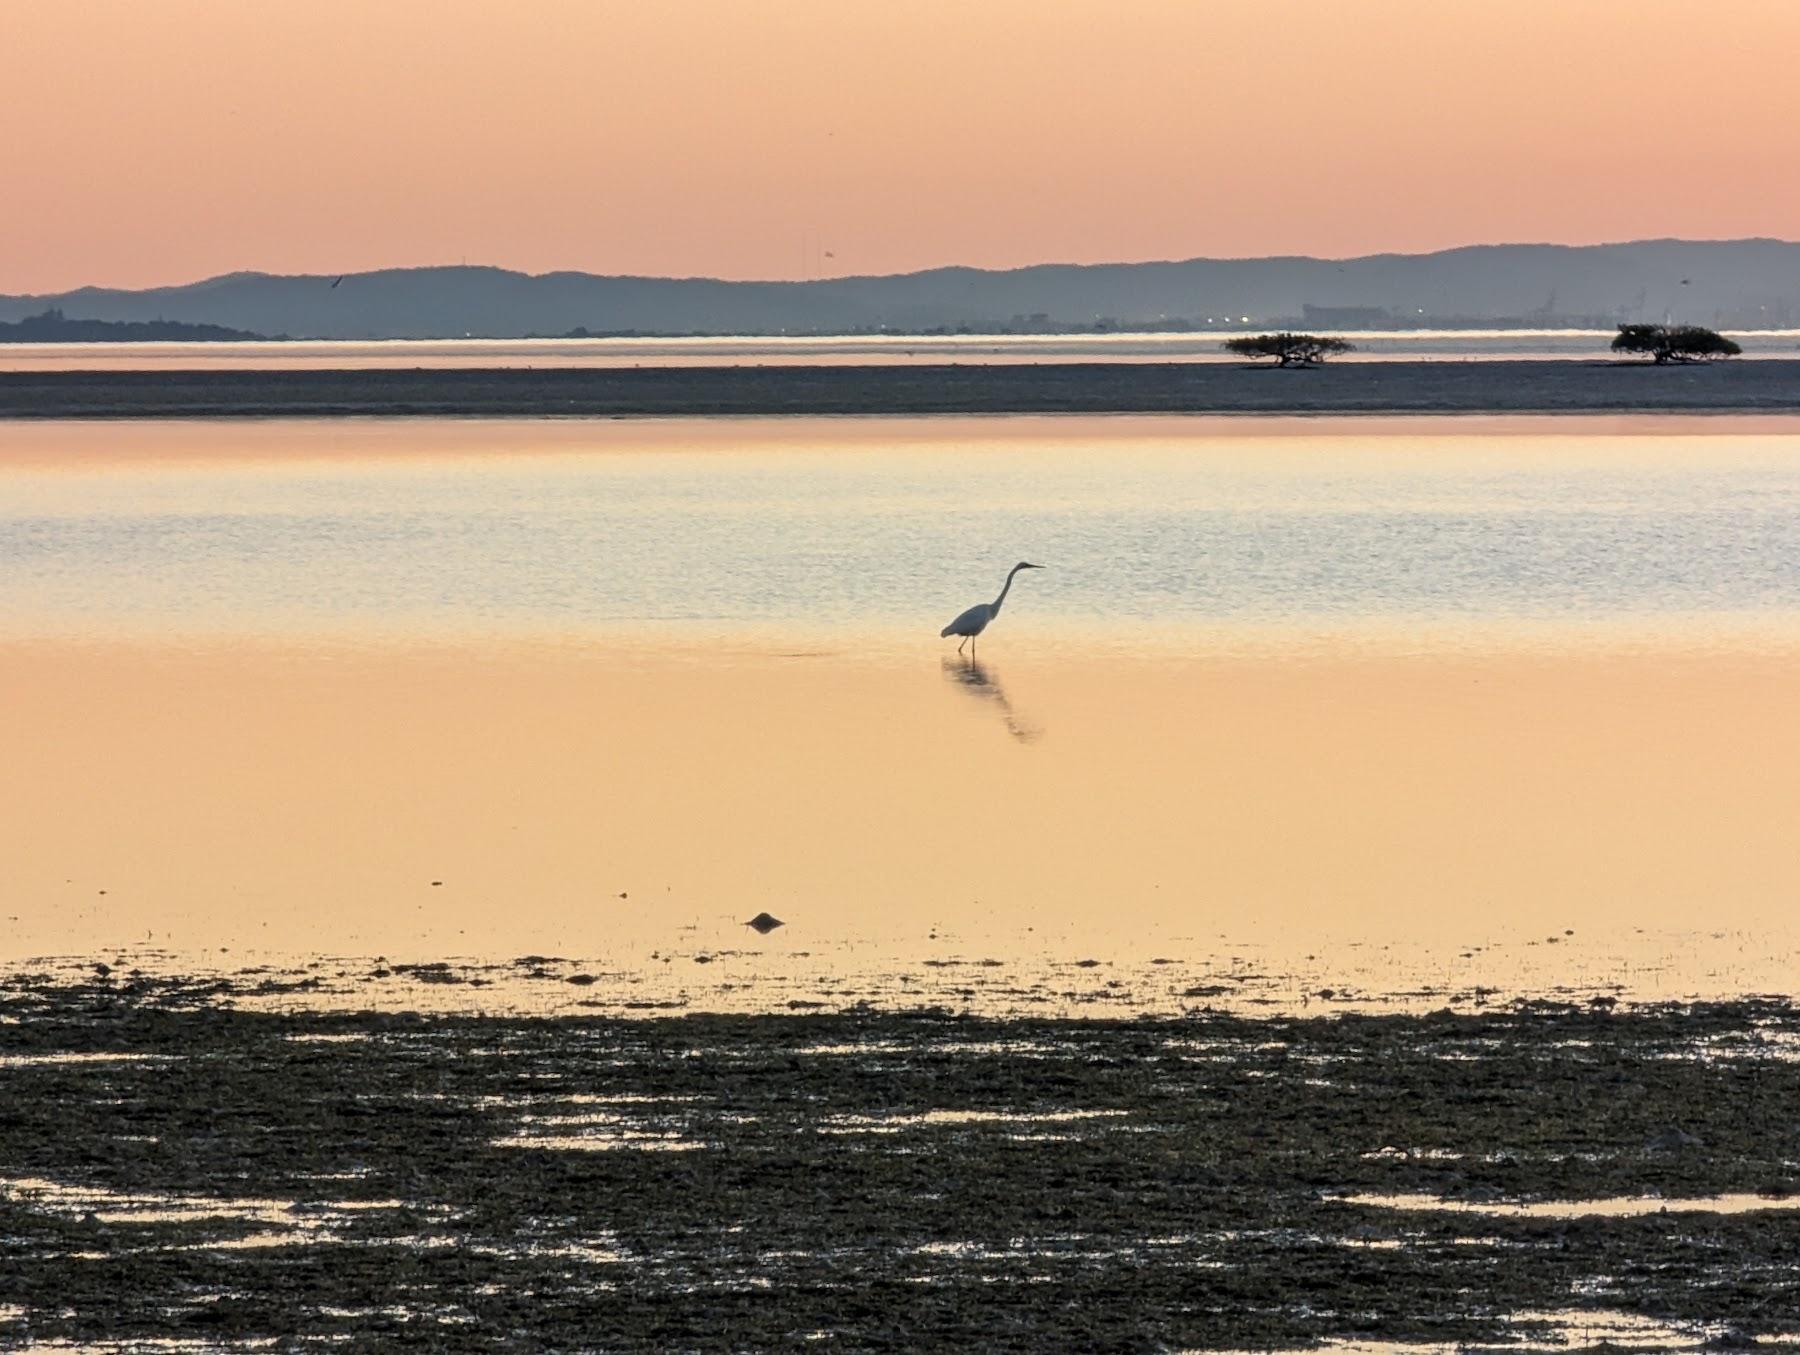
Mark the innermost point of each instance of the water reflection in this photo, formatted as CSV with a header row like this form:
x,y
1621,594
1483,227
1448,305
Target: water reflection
x,y
471,688
808,351
478,529
1376,824
981,682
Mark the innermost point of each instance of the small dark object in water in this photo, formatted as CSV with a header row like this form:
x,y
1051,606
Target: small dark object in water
x,y
436,883
103,970
765,923
581,980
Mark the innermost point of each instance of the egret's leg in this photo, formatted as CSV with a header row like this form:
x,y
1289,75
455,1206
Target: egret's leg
x,y
959,648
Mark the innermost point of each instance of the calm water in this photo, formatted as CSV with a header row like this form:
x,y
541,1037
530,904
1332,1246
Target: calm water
x,y
901,349
1152,529
1399,710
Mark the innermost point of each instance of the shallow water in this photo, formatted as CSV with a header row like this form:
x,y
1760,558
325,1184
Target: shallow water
x,y
1303,711
1200,535
1624,1207
1458,345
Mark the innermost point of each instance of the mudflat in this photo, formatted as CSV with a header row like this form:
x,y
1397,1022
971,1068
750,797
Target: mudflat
x,y
1497,387
173,1166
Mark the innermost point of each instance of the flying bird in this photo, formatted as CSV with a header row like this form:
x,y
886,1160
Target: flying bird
x,y
972,622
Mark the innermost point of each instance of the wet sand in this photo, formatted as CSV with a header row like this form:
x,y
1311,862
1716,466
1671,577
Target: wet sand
x,y
1770,385
174,1168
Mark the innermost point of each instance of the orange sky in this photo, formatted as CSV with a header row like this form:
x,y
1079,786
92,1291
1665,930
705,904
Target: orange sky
x,y
149,143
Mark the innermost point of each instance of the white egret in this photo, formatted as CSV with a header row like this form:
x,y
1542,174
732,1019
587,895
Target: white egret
x,y
972,622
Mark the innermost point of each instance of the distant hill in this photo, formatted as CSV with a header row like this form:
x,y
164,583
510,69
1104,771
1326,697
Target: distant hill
x,y
52,326
1731,284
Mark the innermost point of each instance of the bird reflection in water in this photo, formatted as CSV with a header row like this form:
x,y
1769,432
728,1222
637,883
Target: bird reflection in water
x,y
981,682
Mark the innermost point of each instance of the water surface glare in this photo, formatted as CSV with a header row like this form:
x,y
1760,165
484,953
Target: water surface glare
x,y
696,528
1631,1206
1456,345
1301,711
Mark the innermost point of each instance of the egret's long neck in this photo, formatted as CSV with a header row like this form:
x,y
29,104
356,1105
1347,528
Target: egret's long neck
x,y
1004,591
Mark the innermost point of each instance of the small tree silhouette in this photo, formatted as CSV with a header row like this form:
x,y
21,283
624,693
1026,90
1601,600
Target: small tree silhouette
x,y
1289,350
1674,343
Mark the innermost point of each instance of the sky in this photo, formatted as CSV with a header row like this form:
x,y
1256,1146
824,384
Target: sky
x,y
152,142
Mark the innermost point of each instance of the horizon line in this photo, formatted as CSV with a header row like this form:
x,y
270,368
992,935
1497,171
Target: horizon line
x,y
909,273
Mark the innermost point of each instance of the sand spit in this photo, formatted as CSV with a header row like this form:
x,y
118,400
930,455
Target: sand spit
x,y
1520,387
889,1180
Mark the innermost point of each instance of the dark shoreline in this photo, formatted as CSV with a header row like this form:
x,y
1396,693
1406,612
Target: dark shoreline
x,y
1768,385
173,1166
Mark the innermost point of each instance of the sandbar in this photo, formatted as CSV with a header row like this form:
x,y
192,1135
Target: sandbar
x,y
1502,387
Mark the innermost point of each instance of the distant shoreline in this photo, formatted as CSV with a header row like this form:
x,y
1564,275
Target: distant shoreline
x,y
1768,385
52,326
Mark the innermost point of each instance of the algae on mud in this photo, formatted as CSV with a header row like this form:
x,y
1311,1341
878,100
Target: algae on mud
x,y
869,1180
